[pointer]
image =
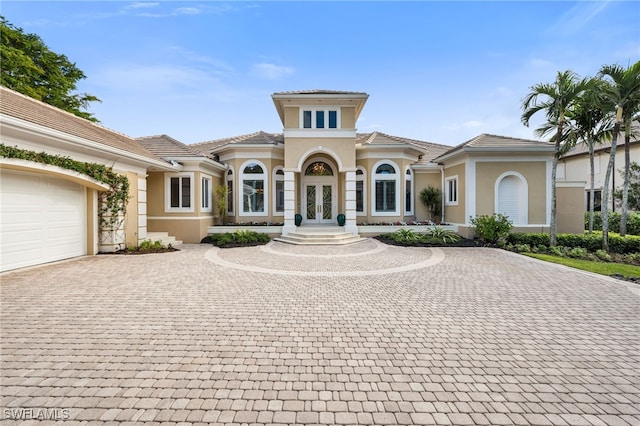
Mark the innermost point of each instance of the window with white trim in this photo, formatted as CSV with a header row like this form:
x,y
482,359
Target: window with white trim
x,y
317,118
451,190
253,196
408,192
205,193
229,180
179,192
360,192
278,190
385,190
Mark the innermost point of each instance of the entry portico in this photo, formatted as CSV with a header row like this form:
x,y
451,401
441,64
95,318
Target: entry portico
x,y
319,155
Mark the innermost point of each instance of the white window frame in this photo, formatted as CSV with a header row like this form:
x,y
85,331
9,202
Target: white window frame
x,y
362,178
448,201
278,178
384,177
229,177
326,110
242,177
408,184
208,196
167,192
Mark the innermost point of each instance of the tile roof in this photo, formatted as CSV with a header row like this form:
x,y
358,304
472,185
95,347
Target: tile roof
x,y
488,141
166,147
256,138
378,138
582,148
22,107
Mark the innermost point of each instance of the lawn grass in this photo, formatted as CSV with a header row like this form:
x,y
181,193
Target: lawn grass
x,y
603,268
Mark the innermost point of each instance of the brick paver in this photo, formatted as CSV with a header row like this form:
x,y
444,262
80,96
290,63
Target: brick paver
x,y
360,334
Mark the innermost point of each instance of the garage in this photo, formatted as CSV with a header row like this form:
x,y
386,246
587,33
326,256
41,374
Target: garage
x,y
44,219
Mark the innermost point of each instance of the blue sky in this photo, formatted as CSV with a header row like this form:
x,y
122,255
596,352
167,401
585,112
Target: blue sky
x,y
442,72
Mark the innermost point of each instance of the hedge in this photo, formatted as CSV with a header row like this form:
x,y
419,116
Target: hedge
x,y
591,242
633,222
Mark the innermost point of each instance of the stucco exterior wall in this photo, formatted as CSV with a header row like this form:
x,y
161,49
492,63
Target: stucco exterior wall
x,y
421,181
534,173
341,150
187,230
456,213
570,208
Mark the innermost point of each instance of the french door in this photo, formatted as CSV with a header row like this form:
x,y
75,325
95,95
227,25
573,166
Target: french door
x,y
319,202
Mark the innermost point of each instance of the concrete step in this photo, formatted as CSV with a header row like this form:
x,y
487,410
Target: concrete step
x,y
163,237
327,235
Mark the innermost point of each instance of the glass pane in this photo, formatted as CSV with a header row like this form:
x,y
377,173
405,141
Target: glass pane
x,y
175,192
359,196
319,119
253,196
386,169
186,192
311,202
279,196
319,168
326,201
205,193
230,196
253,168
306,118
407,197
385,196
333,119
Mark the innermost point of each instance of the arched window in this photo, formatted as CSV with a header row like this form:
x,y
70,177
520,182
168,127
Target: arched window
x,y
361,194
318,168
278,190
229,181
408,192
386,197
253,196
512,196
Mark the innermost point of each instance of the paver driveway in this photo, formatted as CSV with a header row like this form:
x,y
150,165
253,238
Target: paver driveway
x,y
360,334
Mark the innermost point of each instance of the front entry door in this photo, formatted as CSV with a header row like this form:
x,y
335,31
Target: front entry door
x,y
319,203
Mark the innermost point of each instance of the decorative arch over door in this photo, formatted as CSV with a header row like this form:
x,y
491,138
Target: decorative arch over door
x,y
511,197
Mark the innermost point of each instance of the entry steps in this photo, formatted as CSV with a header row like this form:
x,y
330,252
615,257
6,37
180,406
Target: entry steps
x,y
163,237
319,235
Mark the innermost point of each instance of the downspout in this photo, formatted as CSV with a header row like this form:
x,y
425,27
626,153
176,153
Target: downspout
x,y
442,197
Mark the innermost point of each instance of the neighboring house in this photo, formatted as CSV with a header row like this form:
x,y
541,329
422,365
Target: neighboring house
x,y
319,168
574,167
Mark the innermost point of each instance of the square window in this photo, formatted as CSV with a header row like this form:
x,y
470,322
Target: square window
x,y
179,192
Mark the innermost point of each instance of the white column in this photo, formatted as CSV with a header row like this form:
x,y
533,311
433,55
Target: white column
x,y
350,203
289,203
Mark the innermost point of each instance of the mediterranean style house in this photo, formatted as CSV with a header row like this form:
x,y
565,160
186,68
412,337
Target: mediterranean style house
x,y
320,171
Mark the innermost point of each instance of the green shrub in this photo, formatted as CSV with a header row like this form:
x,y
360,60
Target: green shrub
x,y
632,258
442,235
492,228
556,251
523,248
603,255
541,248
577,252
238,238
633,222
536,239
405,236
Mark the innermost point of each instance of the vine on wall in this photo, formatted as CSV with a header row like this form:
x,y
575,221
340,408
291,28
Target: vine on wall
x,y
114,201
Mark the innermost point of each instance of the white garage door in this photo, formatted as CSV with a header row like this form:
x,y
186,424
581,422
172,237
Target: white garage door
x,y
43,219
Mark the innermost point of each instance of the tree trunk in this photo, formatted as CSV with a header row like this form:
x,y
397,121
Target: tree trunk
x,y
625,188
592,198
607,179
553,231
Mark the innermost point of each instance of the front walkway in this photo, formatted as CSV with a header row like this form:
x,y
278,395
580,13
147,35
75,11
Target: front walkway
x,y
358,334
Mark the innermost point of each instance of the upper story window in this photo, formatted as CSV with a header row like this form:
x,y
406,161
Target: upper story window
x,y
320,118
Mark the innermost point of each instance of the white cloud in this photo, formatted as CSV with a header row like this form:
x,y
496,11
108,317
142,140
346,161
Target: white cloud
x,y
472,123
141,5
578,17
272,71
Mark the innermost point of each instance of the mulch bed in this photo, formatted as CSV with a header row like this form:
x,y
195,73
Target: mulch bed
x,y
461,243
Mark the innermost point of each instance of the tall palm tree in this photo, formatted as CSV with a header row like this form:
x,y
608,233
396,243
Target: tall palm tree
x,y
591,125
555,99
624,92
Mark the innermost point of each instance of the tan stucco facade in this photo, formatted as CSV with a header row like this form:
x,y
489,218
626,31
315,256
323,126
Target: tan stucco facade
x,y
570,207
455,212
